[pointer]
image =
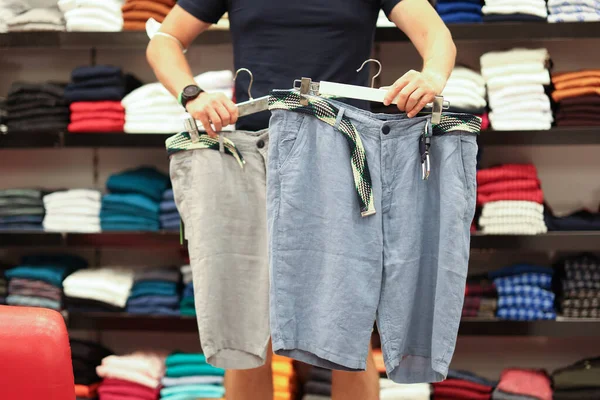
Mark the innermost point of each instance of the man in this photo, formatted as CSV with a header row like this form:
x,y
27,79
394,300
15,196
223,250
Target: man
x,y
280,41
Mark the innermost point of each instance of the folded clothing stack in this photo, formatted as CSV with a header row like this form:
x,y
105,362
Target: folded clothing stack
x,y
579,381
75,210
36,107
137,12
86,356
152,109
99,83
21,209
481,298
38,280
582,220
514,10
169,216
524,292
318,385
460,389
134,377
578,96
37,19
573,10
284,378
92,15
97,116
98,289
188,376
523,383
465,90
515,82
459,11
134,201
389,390
580,286
10,9
155,292
512,200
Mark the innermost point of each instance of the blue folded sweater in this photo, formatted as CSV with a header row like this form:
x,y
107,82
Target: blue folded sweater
x,y
130,203
145,180
459,6
53,275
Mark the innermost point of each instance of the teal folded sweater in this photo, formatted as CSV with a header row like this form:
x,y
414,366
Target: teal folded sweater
x,y
144,180
192,392
189,370
53,275
185,358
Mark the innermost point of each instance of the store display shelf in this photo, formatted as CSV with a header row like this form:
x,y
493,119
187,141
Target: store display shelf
x,y
460,32
554,136
552,241
468,327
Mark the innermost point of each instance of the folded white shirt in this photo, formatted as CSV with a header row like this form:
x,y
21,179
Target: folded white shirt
x,y
158,118
127,375
499,102
75,209
149,364
98,14
511,69
516,9
465,84
503,205
37,16
109,285
34,26
573,9
514,93
72,194
510,220
540,78
515,229
111,6
575,17
511,212
72,219
158,127
535,105
466,73
92,25
521,125
457,96
154,107
390,390
71,228
589,3
514,56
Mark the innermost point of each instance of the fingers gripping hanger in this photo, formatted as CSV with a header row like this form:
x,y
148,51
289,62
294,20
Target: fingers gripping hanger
x,y
308,87
252,106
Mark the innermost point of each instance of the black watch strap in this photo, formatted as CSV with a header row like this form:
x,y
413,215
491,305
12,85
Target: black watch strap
x,y
189,93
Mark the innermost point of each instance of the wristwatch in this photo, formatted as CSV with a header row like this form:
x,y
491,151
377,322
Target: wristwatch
x,y
188,93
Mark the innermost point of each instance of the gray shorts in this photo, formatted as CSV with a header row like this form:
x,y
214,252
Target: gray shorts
x,y
222,204
358,237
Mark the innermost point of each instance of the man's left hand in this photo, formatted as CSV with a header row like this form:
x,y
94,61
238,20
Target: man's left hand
x,y
414,90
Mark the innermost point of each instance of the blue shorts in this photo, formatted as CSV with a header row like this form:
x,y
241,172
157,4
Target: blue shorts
x,y
335,270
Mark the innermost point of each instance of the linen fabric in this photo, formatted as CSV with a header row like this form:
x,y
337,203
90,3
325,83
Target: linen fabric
x,y
233,319
302,147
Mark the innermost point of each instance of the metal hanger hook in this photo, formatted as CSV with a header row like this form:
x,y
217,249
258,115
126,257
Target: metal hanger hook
x,y
251,80
378,72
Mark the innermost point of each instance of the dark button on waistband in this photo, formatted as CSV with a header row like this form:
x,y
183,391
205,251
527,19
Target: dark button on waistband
x,y
260,144
385,129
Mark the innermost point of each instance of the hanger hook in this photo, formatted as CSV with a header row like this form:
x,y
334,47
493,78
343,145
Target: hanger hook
x,y
251,80
378,72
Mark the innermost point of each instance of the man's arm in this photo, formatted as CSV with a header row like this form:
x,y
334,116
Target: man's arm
x,y
432,39
173,70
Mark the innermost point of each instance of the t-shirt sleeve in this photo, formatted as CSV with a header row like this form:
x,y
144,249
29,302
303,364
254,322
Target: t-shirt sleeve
x,y
209,11
386,5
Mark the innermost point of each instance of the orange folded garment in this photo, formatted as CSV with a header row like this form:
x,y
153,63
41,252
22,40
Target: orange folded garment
x,y
282,368
143,16
559,95
134,25
567,76
146,5
87,391
579,82
283,384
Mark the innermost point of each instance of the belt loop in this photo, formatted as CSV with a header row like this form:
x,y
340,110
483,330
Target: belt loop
x,y
339,117
221,146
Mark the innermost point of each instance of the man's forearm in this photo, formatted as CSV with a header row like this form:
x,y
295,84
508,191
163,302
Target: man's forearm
x,y
439,56
169,64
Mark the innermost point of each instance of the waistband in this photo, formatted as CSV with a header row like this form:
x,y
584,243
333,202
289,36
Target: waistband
x,y
328,111
233,142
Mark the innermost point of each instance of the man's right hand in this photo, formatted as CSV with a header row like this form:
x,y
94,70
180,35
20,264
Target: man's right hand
x,y
213,108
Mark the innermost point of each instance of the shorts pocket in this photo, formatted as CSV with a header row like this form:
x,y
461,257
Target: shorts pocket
x,y
292,139
468,150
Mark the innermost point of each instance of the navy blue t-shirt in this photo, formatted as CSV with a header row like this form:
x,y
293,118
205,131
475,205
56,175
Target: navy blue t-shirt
x,y
280,41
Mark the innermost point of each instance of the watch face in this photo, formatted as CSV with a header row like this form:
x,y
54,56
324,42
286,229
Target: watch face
x,y
190,91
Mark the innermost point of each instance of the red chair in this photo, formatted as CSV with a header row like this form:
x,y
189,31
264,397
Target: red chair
x,y
35,356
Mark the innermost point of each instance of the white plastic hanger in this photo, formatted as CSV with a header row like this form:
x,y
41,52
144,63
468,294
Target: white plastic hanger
x,y
308,87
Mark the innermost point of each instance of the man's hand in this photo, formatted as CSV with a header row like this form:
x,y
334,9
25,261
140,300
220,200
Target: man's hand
x,y
414,90
214,110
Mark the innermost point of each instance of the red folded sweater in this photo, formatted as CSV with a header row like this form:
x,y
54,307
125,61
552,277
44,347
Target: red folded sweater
x,y
101,126
528,382
121,388
463,384
536,196
98,115
506,172
509,186
93,106
459,393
